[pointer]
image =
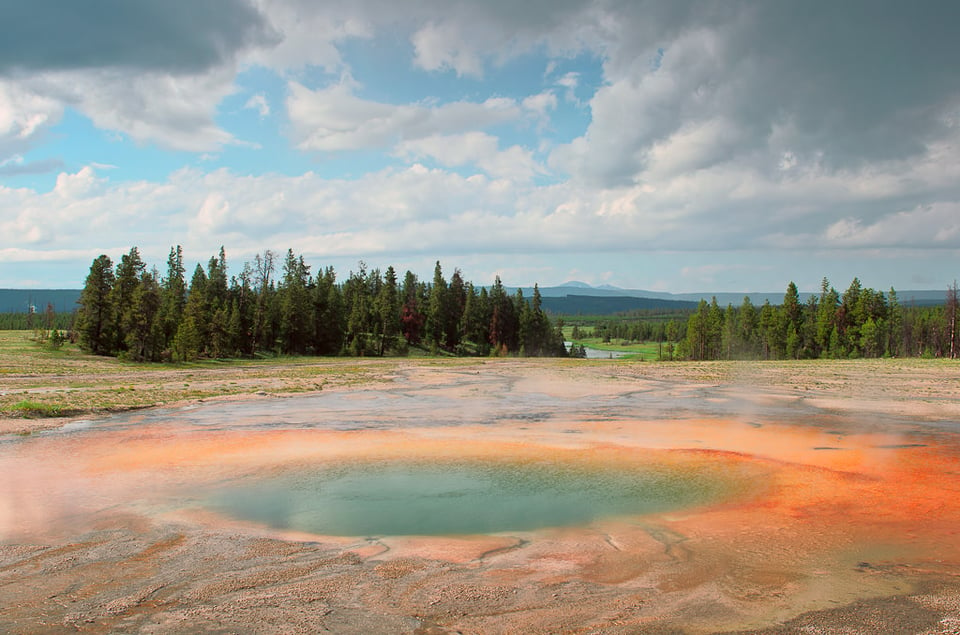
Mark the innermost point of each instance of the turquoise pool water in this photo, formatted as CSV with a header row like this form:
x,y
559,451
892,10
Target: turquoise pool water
x,y
449,498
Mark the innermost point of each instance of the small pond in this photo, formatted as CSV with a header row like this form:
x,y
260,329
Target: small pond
x,y
461,497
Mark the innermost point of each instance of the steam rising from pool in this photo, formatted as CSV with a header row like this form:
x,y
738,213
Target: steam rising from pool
x,y
462,497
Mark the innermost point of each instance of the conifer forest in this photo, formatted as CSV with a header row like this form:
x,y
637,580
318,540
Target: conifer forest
x,y
275,307
282,308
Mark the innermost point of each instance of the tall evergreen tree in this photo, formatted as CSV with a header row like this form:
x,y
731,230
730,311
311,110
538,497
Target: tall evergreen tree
x,y
895,324
412,319
173,296
437,309
388,310
96,318
456,299
141,330
329,321
130,269
193,334
296,306
695,344
359,311
262,328
503,322
827,308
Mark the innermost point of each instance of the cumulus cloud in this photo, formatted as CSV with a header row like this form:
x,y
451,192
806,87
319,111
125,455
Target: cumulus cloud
x,y
929,225
727,126
334,118
24,117
818,82
474,148
305,34
439,47
175,112
155,71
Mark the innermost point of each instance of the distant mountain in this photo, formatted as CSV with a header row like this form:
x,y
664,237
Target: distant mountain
x,y
609,305
20,300
584,299
581,291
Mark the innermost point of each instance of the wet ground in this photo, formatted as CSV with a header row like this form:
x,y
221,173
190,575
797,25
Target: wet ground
x,y
666,505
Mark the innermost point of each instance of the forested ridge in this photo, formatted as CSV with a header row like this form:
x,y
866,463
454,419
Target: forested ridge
x,y
280,308
139,314
860,322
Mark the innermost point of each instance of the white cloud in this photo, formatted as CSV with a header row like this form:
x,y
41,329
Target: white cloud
x,y
569,82
259,103
692,147
732,126
334,119
541,106
172,111
474,148
440,47
936,225
309,35
76,186
24,116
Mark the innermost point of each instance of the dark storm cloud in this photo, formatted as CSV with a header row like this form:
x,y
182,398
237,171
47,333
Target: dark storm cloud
x,y
175,36
842,84
866,78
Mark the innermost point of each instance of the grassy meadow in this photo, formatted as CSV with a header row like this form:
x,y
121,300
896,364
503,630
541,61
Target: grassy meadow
x,y
39,385
37,381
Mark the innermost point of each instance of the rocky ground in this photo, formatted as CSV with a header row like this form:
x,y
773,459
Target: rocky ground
x,y
850,523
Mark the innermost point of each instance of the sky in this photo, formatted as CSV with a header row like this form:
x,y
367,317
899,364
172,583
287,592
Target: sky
x,y
670,145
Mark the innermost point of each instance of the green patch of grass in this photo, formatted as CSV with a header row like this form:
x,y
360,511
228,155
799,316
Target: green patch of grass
x,y
37,410
638,350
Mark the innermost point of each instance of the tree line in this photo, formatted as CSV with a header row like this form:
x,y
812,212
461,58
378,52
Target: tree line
x,y
135,313
860,322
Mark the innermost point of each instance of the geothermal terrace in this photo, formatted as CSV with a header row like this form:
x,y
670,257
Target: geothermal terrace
x,y
501,496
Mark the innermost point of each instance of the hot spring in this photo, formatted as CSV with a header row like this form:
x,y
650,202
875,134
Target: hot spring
x,y
456,497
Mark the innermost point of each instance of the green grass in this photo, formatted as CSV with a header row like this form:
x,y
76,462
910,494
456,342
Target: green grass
x,y
635,350
39,382
36,410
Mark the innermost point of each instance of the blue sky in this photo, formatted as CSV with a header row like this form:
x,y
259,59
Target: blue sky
x,y
668,145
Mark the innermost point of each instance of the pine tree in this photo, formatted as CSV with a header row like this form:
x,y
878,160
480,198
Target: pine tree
x,y
359,311
193,342
748,329
329,320
130,269
437,308
895,325
388,310
827,320
142,336
262,328
698,345
851,318
503,322
173,297
456,299
96,318
728,336
296,307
